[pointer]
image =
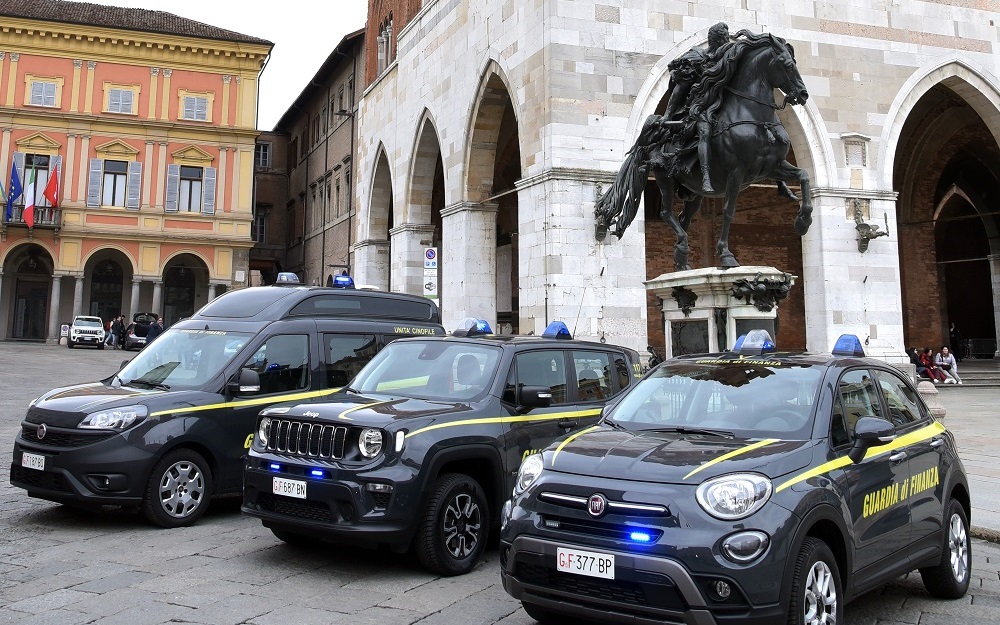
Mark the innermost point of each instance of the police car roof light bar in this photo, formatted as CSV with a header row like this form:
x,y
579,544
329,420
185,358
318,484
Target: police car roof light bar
x,y
756,342
848,345
739,343
470,326
343,282
287,277
557,330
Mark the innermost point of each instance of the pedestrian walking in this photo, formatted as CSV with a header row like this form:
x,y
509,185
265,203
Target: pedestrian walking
x,y
118,332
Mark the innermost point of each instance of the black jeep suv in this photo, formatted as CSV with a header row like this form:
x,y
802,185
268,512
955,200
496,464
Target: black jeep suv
x,y
423,446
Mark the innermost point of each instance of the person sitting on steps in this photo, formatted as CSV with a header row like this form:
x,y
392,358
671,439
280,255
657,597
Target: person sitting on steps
x,y
945,361
933,371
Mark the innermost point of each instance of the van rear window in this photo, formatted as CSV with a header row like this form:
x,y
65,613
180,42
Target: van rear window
x,y
351,305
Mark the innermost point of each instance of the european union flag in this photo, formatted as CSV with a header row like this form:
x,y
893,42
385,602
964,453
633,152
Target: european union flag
x,y
14,192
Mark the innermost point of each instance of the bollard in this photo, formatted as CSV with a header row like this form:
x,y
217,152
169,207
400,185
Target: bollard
x,y
931,397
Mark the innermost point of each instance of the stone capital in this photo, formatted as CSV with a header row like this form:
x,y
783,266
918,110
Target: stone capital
x,y
226,78
2,54
91,65
168,72
469,207
77,63
154,71
15,57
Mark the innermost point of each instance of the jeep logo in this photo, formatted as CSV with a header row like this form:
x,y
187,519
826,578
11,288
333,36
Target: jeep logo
x,y
309,413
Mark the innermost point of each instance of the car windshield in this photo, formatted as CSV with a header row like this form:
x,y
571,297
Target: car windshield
x,y
436,370
182,359
88,322
761,400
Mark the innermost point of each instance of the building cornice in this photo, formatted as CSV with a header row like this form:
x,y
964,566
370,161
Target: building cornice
x,y
848,193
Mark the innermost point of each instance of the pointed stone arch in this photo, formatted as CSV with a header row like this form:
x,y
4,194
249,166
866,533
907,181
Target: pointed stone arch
x,y
493,99
372,252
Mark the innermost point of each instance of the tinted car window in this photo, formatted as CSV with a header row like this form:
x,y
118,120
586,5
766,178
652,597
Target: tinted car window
x,y
543,368
751,400
902,402
593,375
858,397
282,363
183,358
621,369
244,303
345,355
354,305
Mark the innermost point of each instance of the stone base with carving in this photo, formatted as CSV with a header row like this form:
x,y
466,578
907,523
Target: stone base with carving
x,y
705,310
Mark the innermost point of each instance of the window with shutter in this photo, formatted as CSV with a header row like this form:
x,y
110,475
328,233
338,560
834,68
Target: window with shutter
x,y
113,183
134,185
208,201
94,182
43,93
195,108
120,101
173,188
190,190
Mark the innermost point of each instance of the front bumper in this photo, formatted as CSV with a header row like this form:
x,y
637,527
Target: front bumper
x,y
337,505
87,339
647,589
84,469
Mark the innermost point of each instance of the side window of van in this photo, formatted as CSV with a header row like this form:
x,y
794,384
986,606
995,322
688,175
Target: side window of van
x,y
282,363
345,355
544,368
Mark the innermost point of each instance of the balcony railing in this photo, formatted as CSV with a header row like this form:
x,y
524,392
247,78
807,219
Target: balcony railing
x,y
45,217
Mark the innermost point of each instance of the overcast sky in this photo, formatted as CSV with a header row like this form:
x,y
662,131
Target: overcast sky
x,y
304,32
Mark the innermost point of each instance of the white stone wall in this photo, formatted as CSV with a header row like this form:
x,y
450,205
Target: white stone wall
x,y
584,74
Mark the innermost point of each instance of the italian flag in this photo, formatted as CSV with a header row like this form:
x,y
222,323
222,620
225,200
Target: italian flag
x,y
29,201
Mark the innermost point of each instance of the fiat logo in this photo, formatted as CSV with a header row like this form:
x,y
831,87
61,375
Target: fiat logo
x,y
41,432
596,505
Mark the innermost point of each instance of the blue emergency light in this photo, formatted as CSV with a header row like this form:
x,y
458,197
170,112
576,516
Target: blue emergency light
x,y
275,467
470,326
557,330
343,282
848,345
287,277
316,473
755,342
640,537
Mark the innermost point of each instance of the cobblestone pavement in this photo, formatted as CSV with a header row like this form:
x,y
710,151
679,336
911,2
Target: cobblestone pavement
x,y
61,566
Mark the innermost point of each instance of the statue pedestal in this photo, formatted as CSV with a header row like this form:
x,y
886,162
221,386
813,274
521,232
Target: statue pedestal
x,y
705,310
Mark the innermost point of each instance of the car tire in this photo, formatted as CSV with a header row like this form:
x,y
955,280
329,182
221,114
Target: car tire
x,y
950,578
69,343
293,539
178,490
816,586
456,514
101,346
542,615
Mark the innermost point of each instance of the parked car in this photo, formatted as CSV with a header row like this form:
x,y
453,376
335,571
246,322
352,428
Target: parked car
x,y
752,486
86,330
169,430
135,334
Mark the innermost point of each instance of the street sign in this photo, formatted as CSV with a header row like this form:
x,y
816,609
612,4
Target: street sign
x,y
430,258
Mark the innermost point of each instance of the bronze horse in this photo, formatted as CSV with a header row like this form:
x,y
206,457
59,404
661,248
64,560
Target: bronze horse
x,y
748,144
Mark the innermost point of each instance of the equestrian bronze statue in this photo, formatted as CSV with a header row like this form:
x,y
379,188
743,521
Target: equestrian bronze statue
x,y
717,139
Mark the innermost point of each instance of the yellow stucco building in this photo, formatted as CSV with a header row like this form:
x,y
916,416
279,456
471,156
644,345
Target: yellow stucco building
x,y
148,123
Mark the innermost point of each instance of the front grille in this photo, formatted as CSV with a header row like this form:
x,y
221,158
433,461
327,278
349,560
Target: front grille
x,y
312,440
655,591
40,479
302,509
56,438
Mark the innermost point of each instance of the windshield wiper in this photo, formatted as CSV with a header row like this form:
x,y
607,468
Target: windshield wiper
x,y
348,389
686,430
149,384
614,424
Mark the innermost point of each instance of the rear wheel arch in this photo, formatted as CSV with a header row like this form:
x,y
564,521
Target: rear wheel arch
x,y
960,493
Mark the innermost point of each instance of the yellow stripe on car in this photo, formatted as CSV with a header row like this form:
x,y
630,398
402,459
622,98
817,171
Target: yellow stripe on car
x,y
733,454
568,440
916,436
525,419
259,401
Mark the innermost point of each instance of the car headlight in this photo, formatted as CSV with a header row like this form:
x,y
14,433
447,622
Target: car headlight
x,y
370,442
114,418
733,497
262,429
530,469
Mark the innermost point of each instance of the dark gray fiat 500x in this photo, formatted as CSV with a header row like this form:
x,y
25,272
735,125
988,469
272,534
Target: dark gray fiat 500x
x,y
750,487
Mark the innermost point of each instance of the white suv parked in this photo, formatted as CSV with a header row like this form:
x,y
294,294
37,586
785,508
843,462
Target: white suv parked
x,y
86,331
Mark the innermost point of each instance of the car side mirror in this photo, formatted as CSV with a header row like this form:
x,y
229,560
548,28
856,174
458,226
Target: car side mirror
x,y
870,432
248,383
534,397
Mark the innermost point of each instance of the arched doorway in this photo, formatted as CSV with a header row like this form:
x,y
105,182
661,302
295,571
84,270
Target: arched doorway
x,y
426,200
29,270
494,168
185,279
107,285
947,172
376,269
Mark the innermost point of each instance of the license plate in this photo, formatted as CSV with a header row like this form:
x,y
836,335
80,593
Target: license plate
x,y
586,563
33,461
289,488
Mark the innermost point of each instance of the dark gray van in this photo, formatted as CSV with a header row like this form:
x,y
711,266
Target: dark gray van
x,y
169,430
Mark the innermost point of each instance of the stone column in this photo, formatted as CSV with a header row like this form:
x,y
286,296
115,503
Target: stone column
x,y
995,281
407,263
157,297
371,264
469,245
211,291
53,336
134,302
78,296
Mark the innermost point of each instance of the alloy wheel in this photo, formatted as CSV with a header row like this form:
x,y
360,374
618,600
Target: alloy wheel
x,y
820,604
958,548
182,489
461,525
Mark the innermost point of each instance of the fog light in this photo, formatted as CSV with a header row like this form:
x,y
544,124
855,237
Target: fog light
x,y
745,547
722,589
375,487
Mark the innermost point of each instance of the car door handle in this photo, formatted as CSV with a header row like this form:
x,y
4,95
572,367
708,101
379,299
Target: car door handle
x,y
567,423
897,458
937,442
